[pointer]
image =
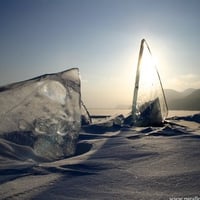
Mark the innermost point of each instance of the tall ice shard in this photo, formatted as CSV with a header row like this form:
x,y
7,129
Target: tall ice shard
x,y
43,113
149,103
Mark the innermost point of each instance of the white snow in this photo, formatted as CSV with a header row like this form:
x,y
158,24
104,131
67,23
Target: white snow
x,y
124,163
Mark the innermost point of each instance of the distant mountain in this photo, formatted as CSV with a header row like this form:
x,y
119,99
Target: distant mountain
x,y
186,100
188,91
172,94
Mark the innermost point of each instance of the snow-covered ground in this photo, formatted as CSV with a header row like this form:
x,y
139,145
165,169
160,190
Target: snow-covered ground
x,y
122,163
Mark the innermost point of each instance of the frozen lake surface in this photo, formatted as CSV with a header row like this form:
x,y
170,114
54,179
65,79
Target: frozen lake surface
x,y
124,163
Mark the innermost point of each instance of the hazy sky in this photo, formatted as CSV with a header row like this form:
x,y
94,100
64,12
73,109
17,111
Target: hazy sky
x,y
101,38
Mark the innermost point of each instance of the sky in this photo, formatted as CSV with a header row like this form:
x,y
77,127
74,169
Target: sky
x,y
102,39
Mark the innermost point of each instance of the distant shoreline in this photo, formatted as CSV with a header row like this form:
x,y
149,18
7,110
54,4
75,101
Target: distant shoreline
x,y
112,111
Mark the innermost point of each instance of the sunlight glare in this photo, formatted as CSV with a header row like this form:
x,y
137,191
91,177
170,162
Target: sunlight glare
x,y
147,69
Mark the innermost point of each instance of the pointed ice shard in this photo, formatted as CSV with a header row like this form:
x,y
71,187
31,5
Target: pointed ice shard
x,y
43,113
149,103
85,115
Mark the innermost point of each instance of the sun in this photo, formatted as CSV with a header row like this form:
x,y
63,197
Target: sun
x,y
148,69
